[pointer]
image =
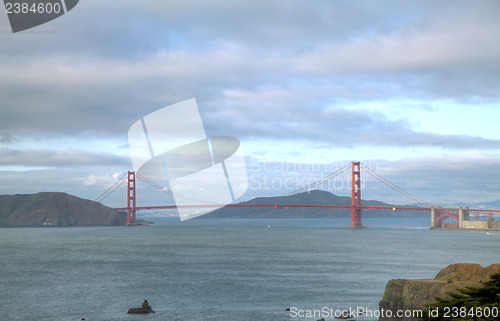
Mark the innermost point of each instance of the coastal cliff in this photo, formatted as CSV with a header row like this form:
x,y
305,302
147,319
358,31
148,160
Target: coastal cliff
x,y
410,295
55,209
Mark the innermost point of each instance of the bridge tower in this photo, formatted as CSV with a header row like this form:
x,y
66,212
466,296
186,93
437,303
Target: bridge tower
x,y
131,198
356,196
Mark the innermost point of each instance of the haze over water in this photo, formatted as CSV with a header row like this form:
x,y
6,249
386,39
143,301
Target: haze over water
x,y
221,269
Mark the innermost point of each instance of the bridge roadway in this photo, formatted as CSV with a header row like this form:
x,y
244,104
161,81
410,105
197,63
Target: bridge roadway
x,y
363,207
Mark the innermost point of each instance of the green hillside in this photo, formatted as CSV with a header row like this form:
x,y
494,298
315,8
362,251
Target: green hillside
x,y
54,209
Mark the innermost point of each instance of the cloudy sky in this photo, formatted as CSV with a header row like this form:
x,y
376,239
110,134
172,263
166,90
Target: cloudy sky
x,y
411,86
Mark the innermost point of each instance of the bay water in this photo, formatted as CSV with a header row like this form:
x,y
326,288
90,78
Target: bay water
x,y
238,270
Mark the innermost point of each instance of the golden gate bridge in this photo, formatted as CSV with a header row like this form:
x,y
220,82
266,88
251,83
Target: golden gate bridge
x,y
353,172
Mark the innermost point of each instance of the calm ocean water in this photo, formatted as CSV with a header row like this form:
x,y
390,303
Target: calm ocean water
x,y
221,269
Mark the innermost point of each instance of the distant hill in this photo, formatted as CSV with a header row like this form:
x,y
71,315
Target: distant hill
x,y
485,205
492,204
55,209
313,197
489,205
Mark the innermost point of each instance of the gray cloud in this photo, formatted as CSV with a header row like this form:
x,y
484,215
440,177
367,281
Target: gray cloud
x,y
468,178
338,127
102,76
5,138
59,159
73,181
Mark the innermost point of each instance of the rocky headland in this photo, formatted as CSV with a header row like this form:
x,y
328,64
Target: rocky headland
x,y
55,209
410,295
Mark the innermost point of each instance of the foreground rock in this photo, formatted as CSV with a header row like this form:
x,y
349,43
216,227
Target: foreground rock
x,y
411,295
142,310
55,209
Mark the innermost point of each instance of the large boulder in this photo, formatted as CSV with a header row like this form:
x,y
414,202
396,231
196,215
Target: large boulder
x,y
412,295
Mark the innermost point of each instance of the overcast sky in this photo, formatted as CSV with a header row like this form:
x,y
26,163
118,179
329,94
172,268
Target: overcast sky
x,y
411,86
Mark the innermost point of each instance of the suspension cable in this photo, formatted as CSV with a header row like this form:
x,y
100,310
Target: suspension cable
x,y
166,190
310,186
110,190
394,187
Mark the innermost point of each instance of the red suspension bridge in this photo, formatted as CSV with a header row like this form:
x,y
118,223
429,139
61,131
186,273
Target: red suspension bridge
x,y
351,174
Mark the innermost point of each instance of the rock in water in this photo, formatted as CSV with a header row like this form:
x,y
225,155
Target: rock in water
x,y
144,309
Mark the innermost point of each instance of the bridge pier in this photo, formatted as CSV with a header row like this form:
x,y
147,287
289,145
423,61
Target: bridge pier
x,y
438,215
356,196
131,198
460,217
